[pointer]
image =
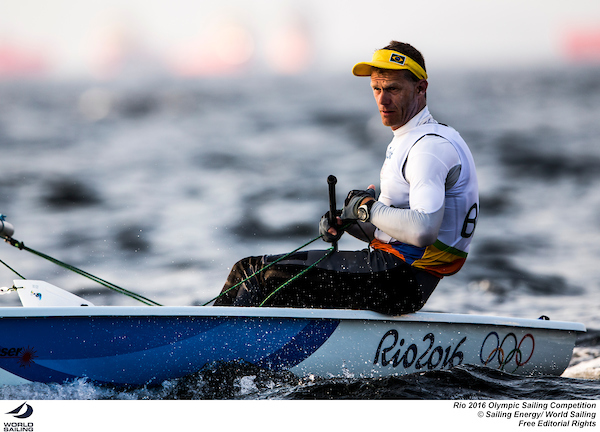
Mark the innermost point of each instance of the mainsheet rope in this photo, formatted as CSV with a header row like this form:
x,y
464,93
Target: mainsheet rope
x,y
12,270
331,181
329,251
21,246
271,264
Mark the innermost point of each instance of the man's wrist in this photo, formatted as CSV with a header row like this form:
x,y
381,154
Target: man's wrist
x,y
367,200
364,211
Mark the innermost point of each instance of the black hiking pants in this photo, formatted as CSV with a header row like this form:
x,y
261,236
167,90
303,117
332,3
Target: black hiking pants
x,y
366,279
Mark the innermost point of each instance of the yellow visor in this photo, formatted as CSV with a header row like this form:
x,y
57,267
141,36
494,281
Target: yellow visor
x,y
388,59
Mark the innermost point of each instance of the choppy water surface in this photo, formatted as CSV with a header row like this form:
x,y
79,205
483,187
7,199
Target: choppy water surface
x,y
161,186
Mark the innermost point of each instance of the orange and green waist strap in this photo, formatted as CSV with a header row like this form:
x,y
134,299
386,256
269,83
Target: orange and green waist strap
x,y
438,259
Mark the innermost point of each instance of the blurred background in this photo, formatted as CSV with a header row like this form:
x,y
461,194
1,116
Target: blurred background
x,y
156,143
110,38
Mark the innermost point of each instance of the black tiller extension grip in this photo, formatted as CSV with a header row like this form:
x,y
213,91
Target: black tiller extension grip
x,y
331,181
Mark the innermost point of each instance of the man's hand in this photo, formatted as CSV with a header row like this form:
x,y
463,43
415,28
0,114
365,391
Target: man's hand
x,y
354,200
331,234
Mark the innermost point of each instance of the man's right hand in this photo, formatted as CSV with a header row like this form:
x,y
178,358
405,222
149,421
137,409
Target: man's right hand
x,y
330,233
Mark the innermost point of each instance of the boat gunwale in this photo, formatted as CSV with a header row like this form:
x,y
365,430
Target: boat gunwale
x,y
278,313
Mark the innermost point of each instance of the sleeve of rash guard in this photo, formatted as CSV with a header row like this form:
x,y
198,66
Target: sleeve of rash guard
x,y
427,168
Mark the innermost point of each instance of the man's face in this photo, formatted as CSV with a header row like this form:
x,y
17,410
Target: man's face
x,y
398,98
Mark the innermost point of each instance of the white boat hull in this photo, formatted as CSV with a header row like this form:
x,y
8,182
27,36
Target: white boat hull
x,y
136,346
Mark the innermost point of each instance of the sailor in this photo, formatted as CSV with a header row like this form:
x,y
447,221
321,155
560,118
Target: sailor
x,y
418,229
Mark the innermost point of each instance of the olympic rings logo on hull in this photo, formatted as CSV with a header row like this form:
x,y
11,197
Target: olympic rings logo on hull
x,y
509,354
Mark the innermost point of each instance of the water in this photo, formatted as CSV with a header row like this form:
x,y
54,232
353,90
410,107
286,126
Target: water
x,y
161,185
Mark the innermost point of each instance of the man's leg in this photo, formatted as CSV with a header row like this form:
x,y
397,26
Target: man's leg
x,y
374,280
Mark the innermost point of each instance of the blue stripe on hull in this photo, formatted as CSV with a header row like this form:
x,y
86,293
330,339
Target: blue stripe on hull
x,y
149,350
301,346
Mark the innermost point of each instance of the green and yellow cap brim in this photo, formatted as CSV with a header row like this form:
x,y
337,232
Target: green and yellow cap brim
x,y
392,60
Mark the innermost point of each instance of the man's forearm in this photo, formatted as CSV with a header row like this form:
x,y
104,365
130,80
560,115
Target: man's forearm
x,y
408,226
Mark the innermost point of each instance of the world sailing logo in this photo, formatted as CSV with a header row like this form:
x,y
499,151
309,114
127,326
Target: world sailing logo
x,y
23,411
26,414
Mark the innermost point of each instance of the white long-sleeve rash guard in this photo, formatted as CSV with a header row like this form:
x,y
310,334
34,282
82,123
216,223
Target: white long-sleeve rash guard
x,y
432,167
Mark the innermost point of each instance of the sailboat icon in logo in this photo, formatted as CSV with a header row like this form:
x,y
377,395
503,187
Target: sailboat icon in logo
x,y
17,410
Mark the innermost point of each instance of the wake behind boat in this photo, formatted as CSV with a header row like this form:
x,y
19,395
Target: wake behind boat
x,y
58,337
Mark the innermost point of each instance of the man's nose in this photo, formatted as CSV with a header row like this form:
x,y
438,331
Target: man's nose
x,y
384,98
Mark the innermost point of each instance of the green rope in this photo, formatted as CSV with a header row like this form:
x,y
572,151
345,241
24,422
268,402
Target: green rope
x,y
329,252
150,302
11,269
83,273
263,269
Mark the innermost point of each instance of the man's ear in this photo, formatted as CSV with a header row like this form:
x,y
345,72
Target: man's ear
x,y
422,86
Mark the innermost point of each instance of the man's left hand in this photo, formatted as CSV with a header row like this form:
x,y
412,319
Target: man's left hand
x,y
354,200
